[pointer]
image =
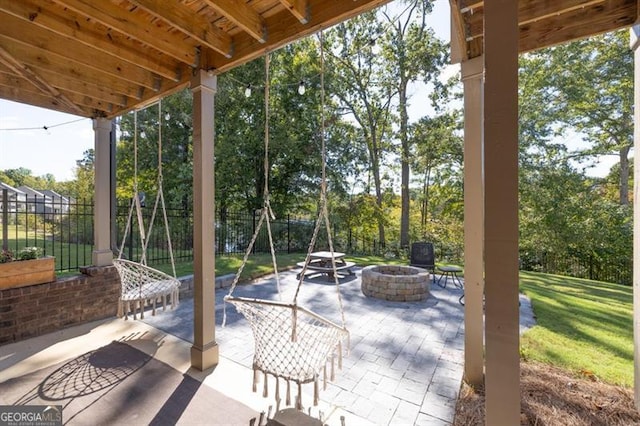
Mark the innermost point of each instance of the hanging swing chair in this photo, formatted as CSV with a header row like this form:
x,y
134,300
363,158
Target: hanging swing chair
x,y
141,284
292,342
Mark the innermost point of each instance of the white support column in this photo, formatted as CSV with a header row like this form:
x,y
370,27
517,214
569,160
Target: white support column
x,y
204,352
472,78
635,46
102,255
502,374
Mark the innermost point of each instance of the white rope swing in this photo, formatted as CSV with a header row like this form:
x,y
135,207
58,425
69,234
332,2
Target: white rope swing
x,y
142,284
292,342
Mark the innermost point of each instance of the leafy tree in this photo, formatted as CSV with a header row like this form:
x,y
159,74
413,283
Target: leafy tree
x,y
437,159
411,51
593,79
357,81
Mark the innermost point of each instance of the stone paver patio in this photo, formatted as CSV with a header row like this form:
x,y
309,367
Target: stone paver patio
x,y
405,363
404,368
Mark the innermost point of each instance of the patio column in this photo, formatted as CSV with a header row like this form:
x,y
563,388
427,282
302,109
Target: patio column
x,y
635,46
102,255
502,374
472,76
204,352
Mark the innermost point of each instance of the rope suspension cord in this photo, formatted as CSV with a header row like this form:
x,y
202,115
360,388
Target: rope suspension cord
x,y
135,201
160,199
292,343
323,212
266,213
142,284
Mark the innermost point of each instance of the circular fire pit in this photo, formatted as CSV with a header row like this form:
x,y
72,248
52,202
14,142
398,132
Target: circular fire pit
x,y
396,282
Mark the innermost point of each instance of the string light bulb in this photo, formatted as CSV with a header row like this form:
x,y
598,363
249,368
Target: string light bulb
x,y
301,88
247,91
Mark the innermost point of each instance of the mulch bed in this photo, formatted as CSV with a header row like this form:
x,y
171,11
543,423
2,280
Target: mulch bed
x,y
551,396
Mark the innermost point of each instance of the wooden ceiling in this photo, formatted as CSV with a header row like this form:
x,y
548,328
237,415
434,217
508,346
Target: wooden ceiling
x,y
542,23
101,58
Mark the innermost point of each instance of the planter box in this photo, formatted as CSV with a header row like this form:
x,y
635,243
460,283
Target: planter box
x,y
27,272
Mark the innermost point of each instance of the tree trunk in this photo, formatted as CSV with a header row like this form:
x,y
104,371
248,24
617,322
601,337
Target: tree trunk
x,y
624,176
404,162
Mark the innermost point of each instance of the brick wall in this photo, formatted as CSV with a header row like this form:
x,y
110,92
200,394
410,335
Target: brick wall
x,y
39,309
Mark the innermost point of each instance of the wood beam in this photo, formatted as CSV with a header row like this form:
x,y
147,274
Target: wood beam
x,y
299,9
82,31
41,100
70,84
22,85
189,23
38,58
569,26
27,73
458,32
22,32
285,28
243,15
533,11
133,25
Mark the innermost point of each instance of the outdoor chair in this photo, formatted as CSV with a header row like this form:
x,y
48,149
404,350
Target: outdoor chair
x,y
423,256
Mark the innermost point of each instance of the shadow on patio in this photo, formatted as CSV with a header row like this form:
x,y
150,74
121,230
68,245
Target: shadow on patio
x,y
405,365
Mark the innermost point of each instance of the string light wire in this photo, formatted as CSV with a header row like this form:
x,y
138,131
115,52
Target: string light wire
x,y
45,128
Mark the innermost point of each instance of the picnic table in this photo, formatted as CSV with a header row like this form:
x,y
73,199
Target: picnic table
x,y
320,262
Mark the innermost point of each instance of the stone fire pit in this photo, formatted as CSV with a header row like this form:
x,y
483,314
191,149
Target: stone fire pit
x,y
396,282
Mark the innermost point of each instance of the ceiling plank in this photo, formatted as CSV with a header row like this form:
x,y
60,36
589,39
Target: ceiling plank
x,y
89,102
80,30
285,28
132,25
27,73
243,16
189,23
607,16
22,32
38,58
69,84
42,101
531,11
299,8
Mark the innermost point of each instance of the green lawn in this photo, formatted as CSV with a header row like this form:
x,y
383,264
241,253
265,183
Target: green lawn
x,y
261,264
582,325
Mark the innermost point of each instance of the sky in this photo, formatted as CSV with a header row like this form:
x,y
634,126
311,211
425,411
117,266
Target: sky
x,y
24,141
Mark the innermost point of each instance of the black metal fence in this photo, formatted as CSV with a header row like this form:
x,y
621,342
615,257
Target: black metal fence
x,y
64,228
617,270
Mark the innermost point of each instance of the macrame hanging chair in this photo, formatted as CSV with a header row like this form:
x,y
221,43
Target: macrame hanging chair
x,y
141,284
292,342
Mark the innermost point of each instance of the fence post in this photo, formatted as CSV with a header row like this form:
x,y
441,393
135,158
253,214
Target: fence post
x,y
253,216
5,219
288,233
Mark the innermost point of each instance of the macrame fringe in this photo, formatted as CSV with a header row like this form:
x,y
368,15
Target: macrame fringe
x,y
255,379
265,389
316,392
288,392
299,397
333,371
324,377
